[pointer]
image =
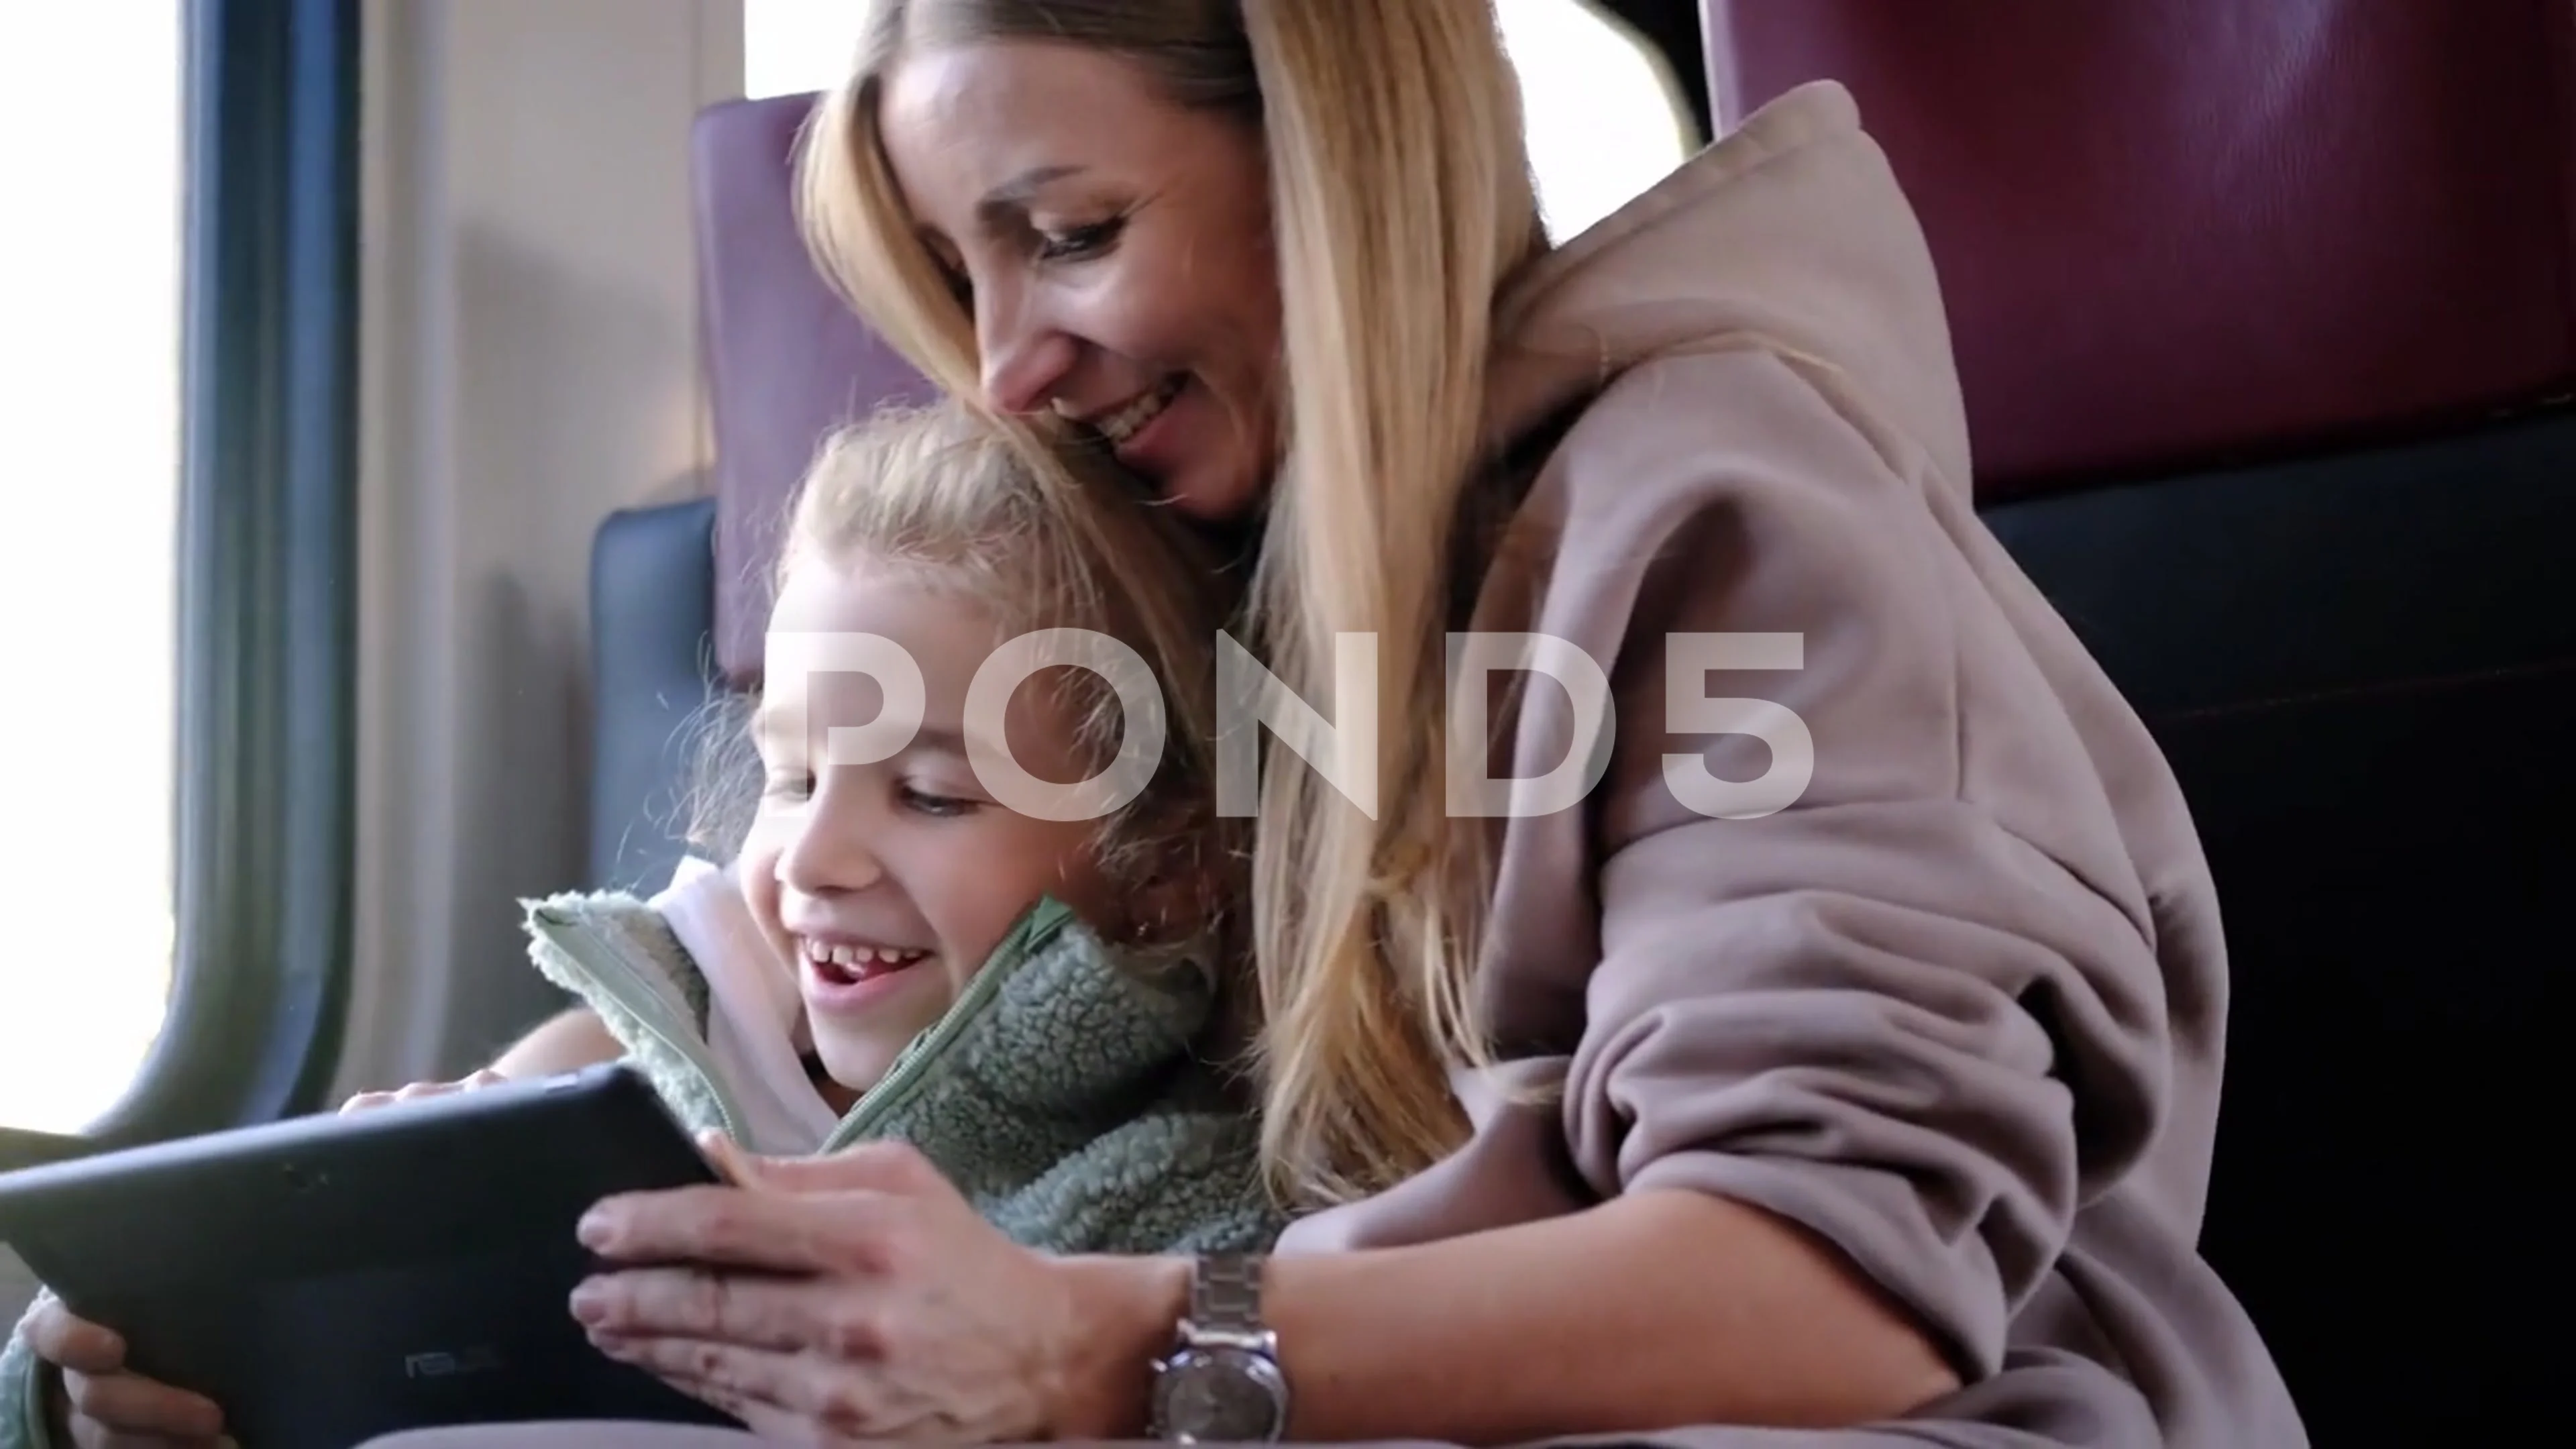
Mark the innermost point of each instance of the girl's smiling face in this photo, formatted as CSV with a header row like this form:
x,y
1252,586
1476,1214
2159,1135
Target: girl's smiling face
x,y
887,885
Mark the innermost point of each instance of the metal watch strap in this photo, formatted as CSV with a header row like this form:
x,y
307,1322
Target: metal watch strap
x,y
1222,1382
1225,1302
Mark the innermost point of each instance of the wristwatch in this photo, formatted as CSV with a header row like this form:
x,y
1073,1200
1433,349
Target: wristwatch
x,y
1221,1383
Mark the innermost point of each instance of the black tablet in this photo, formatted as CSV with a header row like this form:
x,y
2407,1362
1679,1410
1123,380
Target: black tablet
x,y
326,1279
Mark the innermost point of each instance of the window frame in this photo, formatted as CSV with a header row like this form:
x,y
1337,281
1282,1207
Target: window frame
x,y
266,698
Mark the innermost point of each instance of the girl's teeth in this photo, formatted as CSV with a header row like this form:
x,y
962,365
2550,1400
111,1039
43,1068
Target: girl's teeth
x,y
847,957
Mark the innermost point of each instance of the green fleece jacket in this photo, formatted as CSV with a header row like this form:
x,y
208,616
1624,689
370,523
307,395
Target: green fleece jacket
x,y
1061,1093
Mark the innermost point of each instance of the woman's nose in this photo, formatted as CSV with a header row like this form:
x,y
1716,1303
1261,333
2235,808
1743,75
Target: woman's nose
x,y
1025,361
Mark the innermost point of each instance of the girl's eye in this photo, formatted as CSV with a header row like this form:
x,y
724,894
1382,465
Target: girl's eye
x,y
788,786
941,806
1079,242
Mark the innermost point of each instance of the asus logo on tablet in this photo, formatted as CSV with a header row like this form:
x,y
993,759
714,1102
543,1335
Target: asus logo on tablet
x,y
473,1360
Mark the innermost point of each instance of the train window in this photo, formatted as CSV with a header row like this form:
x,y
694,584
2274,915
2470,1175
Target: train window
x,y
182,328
1603,117
1605,120
87,561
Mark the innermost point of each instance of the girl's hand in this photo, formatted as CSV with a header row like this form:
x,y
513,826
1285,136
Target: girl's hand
x,y
365,1100
94,1403
97,1403
858,1296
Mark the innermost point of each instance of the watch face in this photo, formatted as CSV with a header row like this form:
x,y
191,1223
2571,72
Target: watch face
x,y
1221,1396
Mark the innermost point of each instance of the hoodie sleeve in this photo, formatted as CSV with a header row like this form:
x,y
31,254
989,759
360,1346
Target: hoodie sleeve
x,y
1917,1008
22,1398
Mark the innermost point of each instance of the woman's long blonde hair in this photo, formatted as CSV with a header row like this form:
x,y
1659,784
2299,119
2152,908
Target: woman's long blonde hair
x,y
1400,199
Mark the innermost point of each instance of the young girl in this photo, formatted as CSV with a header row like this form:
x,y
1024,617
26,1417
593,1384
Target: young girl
x,y
1039,1006
1001,990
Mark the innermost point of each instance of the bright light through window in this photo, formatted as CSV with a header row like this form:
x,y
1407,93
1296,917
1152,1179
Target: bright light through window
x,y
90,156
1602,117
1604,120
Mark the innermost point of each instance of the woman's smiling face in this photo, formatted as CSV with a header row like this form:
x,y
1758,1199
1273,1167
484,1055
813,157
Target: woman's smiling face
x,y
1114,248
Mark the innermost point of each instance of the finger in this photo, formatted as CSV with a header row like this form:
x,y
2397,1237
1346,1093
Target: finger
x,y
91,1434
365,1100
729,1227
132,1404
719,1396
826,1316
766,1421
736,1165
69,1341
484,1078
776,1395
896,1168
417,1090
773,1423
869,1167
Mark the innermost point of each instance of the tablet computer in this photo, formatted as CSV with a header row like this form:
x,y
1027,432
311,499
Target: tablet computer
x,y
326,1279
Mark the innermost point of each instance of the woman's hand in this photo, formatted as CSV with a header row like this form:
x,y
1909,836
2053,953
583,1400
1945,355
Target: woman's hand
x,y
858,1296
96,1404
367,1100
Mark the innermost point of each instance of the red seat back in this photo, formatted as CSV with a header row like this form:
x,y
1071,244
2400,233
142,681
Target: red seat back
x,y
2172,231
2266,320
787,361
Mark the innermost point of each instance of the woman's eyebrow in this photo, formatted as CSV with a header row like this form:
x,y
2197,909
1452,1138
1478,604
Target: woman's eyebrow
x,y
1016,193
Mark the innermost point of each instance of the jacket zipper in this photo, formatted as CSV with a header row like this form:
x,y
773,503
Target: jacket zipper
x,y
608,969
922,1058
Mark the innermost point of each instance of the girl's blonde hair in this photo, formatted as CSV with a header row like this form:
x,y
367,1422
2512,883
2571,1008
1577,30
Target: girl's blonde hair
x,y
1366,931
940,490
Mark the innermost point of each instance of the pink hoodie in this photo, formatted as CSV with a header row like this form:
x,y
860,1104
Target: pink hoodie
x,y
1959,1008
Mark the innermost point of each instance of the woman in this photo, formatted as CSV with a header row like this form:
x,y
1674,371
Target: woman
x,y
1850,1054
